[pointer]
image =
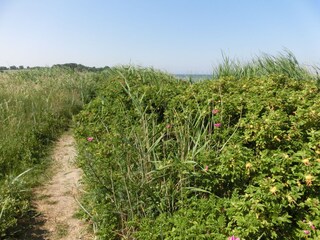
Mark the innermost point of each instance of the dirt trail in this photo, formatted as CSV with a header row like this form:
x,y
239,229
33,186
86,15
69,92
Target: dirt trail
x,y
56,200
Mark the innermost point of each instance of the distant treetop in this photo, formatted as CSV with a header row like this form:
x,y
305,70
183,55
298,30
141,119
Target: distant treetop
x,y
80,67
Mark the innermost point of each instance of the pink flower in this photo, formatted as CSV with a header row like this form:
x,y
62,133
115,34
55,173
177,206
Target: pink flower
x,y
313,227
90,139
206,168
217,125
233,238
215,111
307,232
168,126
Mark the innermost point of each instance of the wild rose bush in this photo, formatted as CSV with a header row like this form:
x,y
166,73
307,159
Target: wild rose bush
x,y
228,158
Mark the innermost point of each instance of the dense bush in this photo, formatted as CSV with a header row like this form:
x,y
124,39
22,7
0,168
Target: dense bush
x,y
261,163
166,159
35,106
126,123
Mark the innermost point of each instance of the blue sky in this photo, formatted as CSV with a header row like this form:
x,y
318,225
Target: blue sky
x,y
178,36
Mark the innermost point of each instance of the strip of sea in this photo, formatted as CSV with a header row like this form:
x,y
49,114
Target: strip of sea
x,y
193,77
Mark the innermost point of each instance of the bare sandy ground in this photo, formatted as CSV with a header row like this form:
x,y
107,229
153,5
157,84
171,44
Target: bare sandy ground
x,y
56,200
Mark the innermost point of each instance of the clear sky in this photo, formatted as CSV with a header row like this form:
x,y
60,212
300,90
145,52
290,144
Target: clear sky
x,y
178,36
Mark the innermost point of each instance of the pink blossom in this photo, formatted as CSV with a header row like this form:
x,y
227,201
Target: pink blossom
x,y
90,139
206,168
217,125
233,238
307,232
215,111
168,126
313,227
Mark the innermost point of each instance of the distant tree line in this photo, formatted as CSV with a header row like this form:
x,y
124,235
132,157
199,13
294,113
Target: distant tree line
x,y
72,66
2,68
80,67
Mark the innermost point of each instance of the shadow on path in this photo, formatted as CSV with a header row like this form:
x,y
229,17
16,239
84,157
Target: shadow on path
x,y
30,227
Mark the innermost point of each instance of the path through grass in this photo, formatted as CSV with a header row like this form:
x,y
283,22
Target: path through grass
x,y
56,200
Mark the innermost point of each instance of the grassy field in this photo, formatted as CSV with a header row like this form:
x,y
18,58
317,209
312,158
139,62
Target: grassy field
x,y
35,107
236,155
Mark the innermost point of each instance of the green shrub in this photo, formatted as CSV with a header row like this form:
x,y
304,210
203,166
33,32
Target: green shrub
x,y
166,159
117,162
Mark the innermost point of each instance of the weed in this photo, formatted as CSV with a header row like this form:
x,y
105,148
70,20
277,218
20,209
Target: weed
x,y
61,230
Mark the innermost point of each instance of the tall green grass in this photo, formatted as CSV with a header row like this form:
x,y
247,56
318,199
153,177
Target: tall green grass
x,y
35,106
284,64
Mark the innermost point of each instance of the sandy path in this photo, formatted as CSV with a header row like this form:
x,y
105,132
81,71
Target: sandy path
x,y
56,200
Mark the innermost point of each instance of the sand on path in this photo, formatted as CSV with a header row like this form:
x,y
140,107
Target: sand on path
x,y
57,200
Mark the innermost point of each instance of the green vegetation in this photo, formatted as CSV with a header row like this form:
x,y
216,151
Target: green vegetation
x,y
35,106
284,64
237,155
